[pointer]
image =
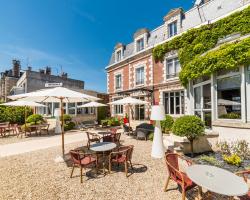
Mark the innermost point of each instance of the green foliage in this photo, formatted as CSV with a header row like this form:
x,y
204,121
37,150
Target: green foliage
x,y
13,114
114,121
232,159
69,126
240,148
66,118
230,116
195,42
151,136
104,122
210,160
189,126
167,124
102,113
35,119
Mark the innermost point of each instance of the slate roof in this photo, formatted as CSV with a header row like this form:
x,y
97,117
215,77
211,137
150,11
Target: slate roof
x,y
155,36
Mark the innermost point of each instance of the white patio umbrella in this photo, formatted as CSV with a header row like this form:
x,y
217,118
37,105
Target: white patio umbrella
x,y
129,101
24,104
57,94
92,104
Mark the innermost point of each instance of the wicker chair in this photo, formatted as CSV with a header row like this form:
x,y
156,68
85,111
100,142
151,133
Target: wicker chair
x,y
123,155
245,175
92,138
82,161
176,175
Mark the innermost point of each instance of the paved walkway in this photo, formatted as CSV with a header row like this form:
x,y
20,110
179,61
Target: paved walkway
x,y
34,145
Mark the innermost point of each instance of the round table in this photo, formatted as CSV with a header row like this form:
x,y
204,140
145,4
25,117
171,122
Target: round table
x,y
217,180
103,147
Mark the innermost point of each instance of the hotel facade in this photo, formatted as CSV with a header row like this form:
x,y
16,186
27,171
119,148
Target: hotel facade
x,y
221,99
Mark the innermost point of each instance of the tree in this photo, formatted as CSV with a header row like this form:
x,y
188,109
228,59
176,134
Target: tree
x,y
189,126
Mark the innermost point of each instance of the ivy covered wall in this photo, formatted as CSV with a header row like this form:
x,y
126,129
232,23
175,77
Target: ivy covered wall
x,y
194,43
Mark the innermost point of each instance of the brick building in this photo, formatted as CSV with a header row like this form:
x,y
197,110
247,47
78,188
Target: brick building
x,y
132,71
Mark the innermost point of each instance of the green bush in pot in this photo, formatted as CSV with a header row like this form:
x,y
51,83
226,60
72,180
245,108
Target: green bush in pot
x,y
167,124
189,126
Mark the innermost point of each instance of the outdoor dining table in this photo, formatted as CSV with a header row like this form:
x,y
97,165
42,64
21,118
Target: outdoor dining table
x,y
217,180
103,147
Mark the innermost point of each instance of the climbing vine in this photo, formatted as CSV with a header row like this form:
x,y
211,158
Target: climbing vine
x,y
195,42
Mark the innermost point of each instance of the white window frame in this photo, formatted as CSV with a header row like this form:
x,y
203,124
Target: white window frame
x,y
241,72
176,74
116,54
144,75
182,112
118,108
137,47
171,27
116,75
248,92
202,109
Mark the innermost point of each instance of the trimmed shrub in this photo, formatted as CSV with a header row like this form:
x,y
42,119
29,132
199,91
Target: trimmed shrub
x,y
230,116
66,118
35,119
167,124
69,126
14,115
189,126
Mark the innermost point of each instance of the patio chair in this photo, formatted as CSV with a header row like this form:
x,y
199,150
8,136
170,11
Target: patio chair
x,y
176,175
244,175
92,137
45,127
127,130
122,155
18,130
82,160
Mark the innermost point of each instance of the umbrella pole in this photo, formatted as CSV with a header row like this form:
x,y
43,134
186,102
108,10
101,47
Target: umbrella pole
x,y
62,123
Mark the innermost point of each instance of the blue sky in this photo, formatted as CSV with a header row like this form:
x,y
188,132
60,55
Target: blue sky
x,y
77,35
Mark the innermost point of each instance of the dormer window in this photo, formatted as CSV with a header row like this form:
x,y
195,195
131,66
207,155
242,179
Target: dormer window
x,y
118,55
172,29
140,44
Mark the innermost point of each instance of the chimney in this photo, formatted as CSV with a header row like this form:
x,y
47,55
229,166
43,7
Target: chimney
x,y
48,70
29,68
41,71
16,68
64,75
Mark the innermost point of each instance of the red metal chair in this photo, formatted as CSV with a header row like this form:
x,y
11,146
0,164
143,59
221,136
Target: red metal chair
x,y
176,175
123,155
245,175
92,138
82,160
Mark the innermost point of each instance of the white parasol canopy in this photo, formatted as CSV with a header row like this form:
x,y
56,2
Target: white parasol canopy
x,y
23,103
92,104
57,94
128,101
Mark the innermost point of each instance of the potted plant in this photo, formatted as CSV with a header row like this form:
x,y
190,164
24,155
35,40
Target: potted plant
x,y
126,119
167,124
189,126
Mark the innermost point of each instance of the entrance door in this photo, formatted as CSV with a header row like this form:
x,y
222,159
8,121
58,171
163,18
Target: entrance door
x,y
140,110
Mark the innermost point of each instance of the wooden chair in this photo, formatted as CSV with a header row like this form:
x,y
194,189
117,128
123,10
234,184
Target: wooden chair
x,y
123,155
18,130
82,160
244,175
92,138
45,127
176,175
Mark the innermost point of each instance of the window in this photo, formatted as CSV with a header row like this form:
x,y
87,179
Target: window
x,y
229,96
202,102
139,76
172,29
140,44
118,55
173,67
118,109
174,102
118,81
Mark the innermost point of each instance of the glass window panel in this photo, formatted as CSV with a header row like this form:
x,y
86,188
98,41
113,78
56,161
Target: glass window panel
x,y
208,119
207,96
172,104
182,103
177,103
229,97
197,97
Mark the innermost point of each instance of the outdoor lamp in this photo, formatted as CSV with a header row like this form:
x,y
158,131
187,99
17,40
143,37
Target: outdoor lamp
x,y
57,114
157,114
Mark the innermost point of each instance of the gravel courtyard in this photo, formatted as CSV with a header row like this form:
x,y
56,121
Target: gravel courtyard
x,y
35,175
